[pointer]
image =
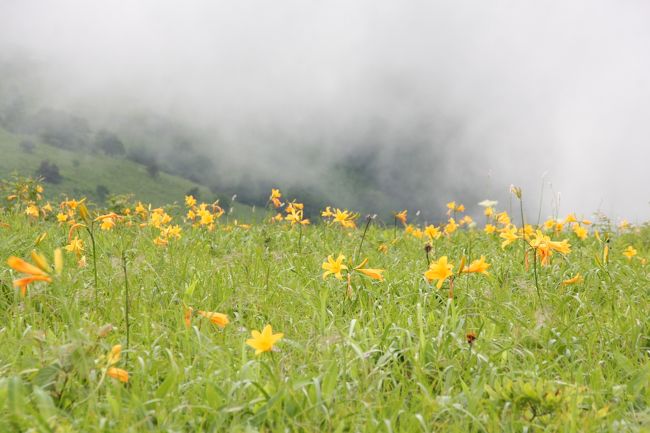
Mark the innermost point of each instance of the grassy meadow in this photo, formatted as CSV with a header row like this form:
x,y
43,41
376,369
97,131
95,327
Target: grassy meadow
x,y
154,330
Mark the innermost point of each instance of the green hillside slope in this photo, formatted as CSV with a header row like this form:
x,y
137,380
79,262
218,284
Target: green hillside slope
x,y
83,173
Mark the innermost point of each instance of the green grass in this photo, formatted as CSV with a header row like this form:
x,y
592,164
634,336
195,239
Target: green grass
x,y
392,357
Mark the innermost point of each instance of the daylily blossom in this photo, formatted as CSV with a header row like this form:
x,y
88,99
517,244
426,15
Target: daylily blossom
x,y
275,198
432,231
76,246
630,252
453,207
509,235
115,354
451,226
375,274
219,319
118,373
574,280
334,267
264,341
35,273
580,231
477,266
401,216
503,218
439,270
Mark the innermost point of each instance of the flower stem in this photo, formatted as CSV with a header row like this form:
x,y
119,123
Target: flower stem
x,y
539,293
395,228
91,231
126,305
365,230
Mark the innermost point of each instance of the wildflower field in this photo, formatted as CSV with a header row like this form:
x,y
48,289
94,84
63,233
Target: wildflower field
x,y
182,319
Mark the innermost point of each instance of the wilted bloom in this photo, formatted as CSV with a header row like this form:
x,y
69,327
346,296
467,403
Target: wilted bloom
x,y
264,341
477,266
439,270
470,337
334,267
630,252
219,319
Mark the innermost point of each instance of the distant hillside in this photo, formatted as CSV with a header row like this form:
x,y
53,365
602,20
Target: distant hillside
x,y
95,175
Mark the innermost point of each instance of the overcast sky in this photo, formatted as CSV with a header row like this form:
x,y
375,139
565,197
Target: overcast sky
x,y
500,91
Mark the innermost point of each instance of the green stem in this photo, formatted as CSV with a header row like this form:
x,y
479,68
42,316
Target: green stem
x,y
539,293
126,306
365,230
91,231
395,228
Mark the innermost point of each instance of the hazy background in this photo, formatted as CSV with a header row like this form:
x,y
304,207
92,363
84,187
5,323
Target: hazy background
x,y
371,104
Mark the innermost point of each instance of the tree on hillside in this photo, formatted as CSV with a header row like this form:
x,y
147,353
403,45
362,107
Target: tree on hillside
x,y
102,192
60,129
153,168
109,143
27,146
49,172
194,192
